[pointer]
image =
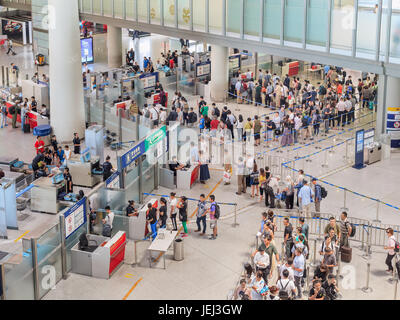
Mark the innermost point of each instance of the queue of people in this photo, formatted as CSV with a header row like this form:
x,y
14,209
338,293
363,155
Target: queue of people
x,y
257,282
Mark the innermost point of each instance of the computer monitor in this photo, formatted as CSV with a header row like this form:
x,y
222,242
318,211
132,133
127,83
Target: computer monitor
x,y
85,157
57,178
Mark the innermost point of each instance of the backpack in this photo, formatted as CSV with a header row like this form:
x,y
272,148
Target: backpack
x,y
11,110
217,212
216,112
147,114
323,90
193,117
283,295
396,246
106,230
353,230
324,193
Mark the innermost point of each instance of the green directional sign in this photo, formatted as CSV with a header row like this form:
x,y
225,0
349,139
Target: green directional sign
x,y
155,138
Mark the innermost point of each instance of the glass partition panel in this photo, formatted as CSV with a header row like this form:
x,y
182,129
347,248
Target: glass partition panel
x,y
395,37
97,7
169,13
317,23
272,19
294,20
342,26
155,12
383,28
199,15
215,16
19,277
130,9
86,6
142,10
107,8
120,223
49,260
184,14
119,9
366,30
233,17
252,18
148,180
72,240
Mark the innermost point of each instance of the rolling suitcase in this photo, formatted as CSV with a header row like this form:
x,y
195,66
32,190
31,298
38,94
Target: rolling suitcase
x,y
346,253
27,126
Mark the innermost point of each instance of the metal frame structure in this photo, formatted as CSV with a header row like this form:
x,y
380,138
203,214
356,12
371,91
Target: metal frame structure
x,y
379,63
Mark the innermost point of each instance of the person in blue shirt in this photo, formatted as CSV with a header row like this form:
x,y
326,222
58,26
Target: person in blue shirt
x,y
318,196
201,123
60,153
305,198
298,269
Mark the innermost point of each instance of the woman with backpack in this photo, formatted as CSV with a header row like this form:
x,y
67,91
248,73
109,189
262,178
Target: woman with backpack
x,y
182,208
254,180
239,128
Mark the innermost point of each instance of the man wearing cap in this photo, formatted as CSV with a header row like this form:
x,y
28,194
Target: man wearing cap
x,y
317,197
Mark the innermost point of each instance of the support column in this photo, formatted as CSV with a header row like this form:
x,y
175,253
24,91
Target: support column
x,y
114,45
67,112
388,96
219,73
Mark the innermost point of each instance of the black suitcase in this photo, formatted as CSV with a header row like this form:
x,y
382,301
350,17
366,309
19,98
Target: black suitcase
x,y
27,128
345,254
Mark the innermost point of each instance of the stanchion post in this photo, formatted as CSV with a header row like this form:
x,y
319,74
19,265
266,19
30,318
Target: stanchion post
x,y
319,229
314,263
396,284
344,208
306,290
235,224
339,270
325,163
103,114
367,288
366,255
377,212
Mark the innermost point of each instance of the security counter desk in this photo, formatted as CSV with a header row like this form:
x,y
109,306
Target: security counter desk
x,y
137,225
162,243
187,177
108,254
44,195
82,172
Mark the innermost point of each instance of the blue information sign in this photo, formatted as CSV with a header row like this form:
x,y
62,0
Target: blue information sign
x,y
359,152
75,217
133,154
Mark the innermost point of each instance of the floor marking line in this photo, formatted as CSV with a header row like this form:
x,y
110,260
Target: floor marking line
x,y
26,232
194,212
131,289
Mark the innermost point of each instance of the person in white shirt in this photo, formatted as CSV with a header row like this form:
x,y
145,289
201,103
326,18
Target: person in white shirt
x,y
261,261
238,85
173,201
257,284
287,266
163,116
109,219
67,154
287,285
277,120
391,249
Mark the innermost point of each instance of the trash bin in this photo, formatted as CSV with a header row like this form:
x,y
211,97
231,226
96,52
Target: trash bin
x,y
178,250
374,152
43,131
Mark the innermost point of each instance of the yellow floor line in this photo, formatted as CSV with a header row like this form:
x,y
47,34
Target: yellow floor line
x,y
130,291
25,233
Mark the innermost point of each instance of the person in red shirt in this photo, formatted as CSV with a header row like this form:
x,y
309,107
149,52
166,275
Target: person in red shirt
x,y
339,90
39,145
214,127
171,63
